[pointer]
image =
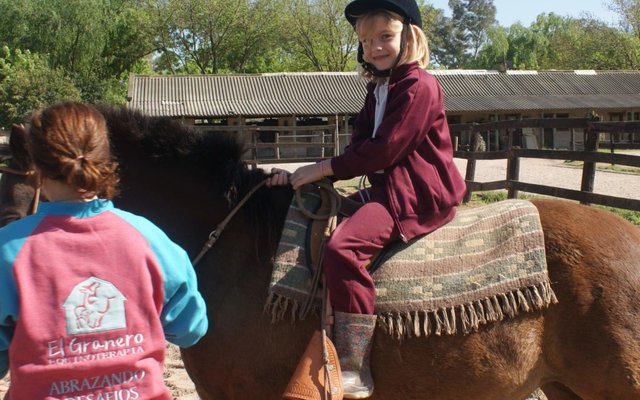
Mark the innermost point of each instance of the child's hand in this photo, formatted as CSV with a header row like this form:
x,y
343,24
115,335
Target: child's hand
x,y
279,177
307,174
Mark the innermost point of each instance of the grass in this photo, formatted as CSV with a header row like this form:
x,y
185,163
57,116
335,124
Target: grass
x,y
605,167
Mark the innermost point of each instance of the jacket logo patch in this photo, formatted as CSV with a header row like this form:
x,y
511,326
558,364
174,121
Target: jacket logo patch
x,y
94,305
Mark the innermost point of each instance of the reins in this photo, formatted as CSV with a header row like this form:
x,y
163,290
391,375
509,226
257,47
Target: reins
x,y
215,234
13,171
335,198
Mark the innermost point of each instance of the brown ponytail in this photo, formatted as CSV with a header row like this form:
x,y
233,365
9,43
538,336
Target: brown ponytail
x,y
69,142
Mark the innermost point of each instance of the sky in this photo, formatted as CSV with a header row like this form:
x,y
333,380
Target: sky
x,y
511,11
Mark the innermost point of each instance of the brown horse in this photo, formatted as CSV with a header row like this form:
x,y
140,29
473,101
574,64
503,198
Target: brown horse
x,y
585,347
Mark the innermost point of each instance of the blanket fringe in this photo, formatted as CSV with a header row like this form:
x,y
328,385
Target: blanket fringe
x,y
471,315
278,307
442,321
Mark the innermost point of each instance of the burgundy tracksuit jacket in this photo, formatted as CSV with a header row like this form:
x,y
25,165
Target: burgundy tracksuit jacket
x,y
416,193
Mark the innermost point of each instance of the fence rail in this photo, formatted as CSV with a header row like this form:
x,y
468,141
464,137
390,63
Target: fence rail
x,y
589,156
287,143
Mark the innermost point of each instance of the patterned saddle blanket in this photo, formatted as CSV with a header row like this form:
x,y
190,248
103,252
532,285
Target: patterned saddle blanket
x,y
487,264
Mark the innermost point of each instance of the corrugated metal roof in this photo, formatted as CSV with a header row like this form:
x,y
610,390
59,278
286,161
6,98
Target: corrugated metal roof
x,y
248,95
343,93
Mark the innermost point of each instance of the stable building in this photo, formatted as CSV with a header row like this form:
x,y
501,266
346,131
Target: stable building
x,y
300,109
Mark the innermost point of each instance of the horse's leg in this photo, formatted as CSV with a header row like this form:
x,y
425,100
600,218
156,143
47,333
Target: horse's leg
x,y
557,391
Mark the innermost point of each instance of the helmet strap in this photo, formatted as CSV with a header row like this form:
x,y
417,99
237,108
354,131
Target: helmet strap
x,y
387,72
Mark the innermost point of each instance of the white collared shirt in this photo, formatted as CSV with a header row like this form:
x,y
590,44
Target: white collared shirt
x,y
380,92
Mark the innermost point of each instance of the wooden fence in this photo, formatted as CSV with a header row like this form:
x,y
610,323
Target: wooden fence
x,y
311,143
591,129
287,144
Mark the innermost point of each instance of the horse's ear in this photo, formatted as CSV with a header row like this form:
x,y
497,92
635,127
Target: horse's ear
x,y
18,145
18,131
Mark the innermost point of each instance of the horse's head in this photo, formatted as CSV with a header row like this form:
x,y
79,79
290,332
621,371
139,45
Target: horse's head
x,y
16,191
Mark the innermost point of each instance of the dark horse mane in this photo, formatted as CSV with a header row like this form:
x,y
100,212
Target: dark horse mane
x,y
214,158
164,140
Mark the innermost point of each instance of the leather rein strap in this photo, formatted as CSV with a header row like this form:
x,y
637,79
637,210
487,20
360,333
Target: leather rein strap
x,y
215,234
337,202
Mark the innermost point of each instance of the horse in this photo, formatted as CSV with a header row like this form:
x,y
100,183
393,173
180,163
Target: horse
x,y
186,181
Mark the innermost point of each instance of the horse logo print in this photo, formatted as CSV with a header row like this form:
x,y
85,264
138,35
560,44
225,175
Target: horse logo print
x,y
94,305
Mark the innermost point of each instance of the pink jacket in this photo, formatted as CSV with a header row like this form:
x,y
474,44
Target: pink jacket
x,y
413,147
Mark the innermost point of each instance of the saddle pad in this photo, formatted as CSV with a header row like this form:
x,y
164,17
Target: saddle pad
x,y
488,263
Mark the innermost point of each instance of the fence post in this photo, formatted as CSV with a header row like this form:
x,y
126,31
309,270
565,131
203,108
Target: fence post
x,y
254,142
336,138
471,164
513,167
589,167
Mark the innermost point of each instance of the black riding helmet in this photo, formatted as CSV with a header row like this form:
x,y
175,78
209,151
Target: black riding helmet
x,y
408,9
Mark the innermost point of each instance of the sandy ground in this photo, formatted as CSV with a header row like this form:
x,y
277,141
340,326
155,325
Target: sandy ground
x,y
547,172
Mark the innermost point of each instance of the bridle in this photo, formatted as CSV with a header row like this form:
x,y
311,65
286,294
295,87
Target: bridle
x,y
215,234
27,173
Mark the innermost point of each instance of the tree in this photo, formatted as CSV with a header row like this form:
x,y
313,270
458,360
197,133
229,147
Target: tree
x,y
321,34
27,84
445,46
95,42
629,12
495,53
213,36
198,32
470,21
554,42
591,44
255,46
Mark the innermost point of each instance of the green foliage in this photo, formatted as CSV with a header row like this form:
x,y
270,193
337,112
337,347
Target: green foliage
x,y
465,32
27,84
554,42
321,34
93,42
629,12
215,36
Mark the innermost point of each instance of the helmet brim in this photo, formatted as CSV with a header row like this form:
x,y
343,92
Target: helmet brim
x,y
360,7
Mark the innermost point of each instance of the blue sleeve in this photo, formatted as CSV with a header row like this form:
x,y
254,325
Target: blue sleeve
x,y
184,313
8,308
12,237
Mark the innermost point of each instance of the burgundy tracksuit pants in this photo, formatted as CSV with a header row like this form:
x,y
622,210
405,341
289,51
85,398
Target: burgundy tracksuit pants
x,y
352,245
